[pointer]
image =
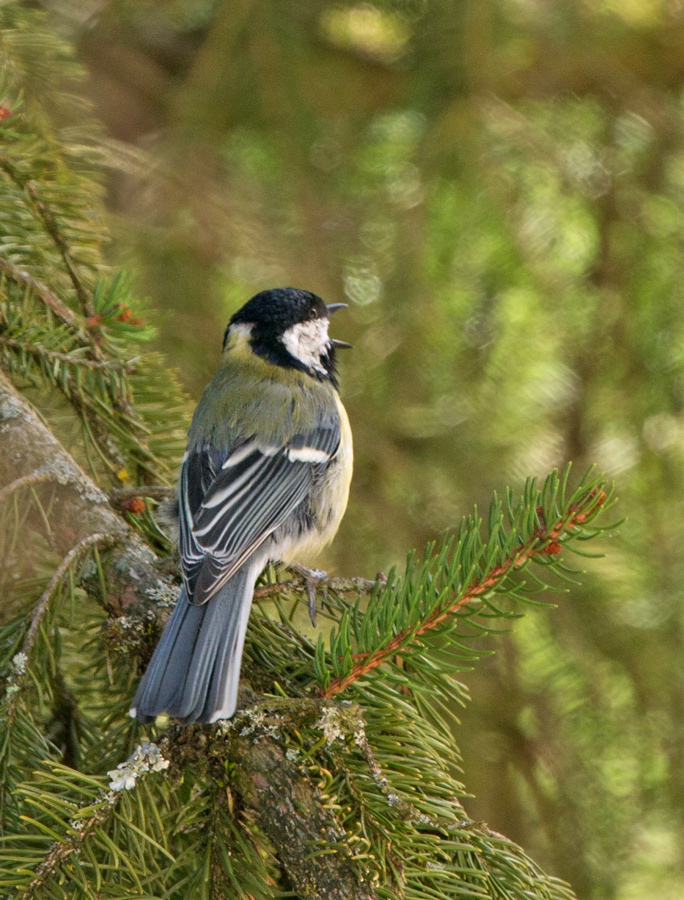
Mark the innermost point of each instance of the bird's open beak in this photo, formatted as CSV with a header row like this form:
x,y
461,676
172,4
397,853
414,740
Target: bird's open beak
x,y
339,345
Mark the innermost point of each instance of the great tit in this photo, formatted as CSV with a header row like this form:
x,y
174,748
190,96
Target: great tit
x,y
265,478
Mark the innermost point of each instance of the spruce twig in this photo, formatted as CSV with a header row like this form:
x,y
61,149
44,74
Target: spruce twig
x,y
544,542
49,220
144,760
59,573
52,228
38,477
41,291
339,584
44,353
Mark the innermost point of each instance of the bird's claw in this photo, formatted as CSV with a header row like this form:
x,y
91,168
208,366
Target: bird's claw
x,y
312,579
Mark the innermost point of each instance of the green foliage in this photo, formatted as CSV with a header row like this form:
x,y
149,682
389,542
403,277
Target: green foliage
x,y
88,808
496,186
384,771
456,582
66,324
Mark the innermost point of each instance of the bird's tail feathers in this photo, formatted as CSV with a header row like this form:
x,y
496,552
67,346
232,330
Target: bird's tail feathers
x,y
195,670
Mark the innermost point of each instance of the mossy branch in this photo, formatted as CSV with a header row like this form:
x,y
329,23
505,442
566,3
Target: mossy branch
x,y
303,831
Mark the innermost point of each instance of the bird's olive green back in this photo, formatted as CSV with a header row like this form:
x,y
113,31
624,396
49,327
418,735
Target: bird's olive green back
x,y
249,395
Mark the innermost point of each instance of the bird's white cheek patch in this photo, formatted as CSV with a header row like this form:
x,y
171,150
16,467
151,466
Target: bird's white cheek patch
x,y
308,342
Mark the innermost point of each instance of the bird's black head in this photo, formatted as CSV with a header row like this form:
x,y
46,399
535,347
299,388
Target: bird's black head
x,y
289,328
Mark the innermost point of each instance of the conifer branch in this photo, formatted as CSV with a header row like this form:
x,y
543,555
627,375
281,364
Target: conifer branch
x,y
49,221
53,230
408,811
61,851
41,291
98,382
144,760
290,813
339,584
38,477
544,542
59,573
44,353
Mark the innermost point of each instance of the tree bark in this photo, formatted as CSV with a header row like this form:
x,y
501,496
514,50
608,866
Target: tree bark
x,y
288,810
30,453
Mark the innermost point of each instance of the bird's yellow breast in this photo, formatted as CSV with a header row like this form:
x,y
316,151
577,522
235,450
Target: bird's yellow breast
x,y
330,501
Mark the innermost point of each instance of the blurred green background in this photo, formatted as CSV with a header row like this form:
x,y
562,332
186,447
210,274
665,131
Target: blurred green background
x,y
496,187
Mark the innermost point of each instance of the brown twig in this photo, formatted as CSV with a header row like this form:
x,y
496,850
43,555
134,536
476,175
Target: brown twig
x,y
47,217
34,350
59,573
153,491
296,584
543,543
14,273
49,221
37,477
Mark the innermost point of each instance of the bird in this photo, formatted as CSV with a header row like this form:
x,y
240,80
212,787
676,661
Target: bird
x,y
265,478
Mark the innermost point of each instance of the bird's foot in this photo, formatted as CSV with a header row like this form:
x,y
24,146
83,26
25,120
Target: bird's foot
x,y
312,579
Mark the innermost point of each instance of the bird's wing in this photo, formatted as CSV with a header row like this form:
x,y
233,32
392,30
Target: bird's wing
x,y
230,503
198,473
